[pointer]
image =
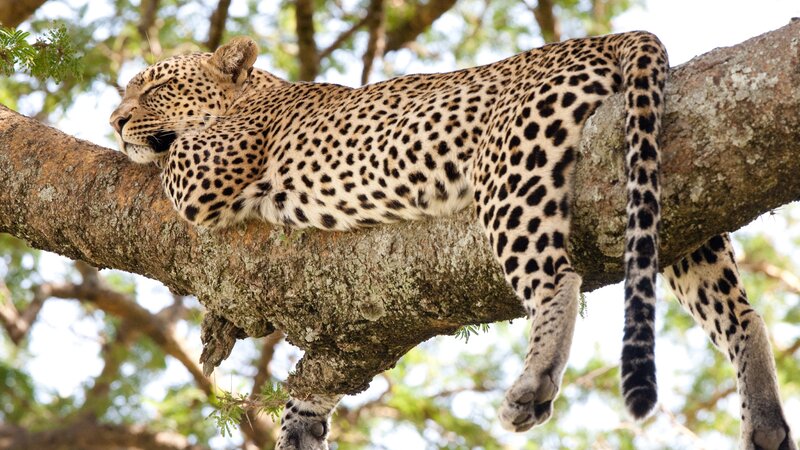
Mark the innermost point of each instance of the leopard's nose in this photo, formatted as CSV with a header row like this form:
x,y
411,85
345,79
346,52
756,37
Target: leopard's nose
x,y
120,122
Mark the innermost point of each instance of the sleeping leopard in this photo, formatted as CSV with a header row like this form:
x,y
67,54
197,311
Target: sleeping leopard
x,y
235,143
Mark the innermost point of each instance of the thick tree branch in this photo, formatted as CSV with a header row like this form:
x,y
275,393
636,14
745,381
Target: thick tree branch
x,y
357,301
14,12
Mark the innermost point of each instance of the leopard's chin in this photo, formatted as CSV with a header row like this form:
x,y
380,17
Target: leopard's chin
x,y
141,154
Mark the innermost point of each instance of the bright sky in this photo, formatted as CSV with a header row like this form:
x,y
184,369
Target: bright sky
x,y
66,349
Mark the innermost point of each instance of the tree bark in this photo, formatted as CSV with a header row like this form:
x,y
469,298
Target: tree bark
x,y
14,12
358,301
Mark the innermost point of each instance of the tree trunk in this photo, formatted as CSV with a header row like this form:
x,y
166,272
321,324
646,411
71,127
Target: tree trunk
x,y
358,301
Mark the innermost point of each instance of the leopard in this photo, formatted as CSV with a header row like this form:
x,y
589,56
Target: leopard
x,y
235,143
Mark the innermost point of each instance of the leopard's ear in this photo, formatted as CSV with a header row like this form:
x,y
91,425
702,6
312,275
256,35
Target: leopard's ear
x,y
233,62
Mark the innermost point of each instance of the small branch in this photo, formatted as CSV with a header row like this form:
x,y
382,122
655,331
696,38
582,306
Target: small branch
x,y
690,411
218,335
155,326
787,278
546,19
114,353
18,324
682,429
376,20
792,349
306,45
587,380
217,25
257,427
344,36
601,19
147,26
475,24
407,30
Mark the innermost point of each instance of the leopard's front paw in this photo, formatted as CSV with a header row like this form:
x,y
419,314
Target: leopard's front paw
x,y
529,402
303,432
768,438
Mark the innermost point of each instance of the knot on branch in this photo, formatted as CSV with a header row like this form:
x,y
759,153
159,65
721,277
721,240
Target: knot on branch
x,y
218,335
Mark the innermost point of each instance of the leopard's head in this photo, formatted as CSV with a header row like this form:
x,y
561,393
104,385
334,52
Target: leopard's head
x,y
180,95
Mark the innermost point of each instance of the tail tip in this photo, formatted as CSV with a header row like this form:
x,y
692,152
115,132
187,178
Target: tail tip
x,y
641,404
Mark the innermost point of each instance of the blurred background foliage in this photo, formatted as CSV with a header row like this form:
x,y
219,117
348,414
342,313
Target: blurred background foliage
x,y
135,345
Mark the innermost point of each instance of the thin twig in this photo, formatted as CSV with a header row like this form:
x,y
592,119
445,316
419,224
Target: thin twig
x,y
344,36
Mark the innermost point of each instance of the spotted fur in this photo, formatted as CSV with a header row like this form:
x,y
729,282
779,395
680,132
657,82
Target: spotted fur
x,y
237,143
707,285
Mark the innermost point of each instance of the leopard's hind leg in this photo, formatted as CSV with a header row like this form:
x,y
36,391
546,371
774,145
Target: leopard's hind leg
x,y
707,285
305,423
524,207
523,181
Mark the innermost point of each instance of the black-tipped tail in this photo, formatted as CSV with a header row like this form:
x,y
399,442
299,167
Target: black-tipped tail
x,y
644,66
639,387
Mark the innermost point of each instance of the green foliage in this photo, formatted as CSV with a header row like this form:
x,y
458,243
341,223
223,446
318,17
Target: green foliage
x,y
52,56
19,390
19,269
468,330
229,408
182,409
228,412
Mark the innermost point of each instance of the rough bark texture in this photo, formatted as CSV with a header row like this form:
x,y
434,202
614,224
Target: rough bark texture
x,y
14,12
357,301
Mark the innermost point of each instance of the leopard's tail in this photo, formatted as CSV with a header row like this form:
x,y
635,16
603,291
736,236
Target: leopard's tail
x,y
644,65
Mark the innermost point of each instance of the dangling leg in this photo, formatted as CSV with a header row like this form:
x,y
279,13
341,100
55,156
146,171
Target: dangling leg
x,y
305,423
527,222
529,401
707,284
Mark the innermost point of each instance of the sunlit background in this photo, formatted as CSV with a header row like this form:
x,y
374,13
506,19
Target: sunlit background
x,y
466,377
